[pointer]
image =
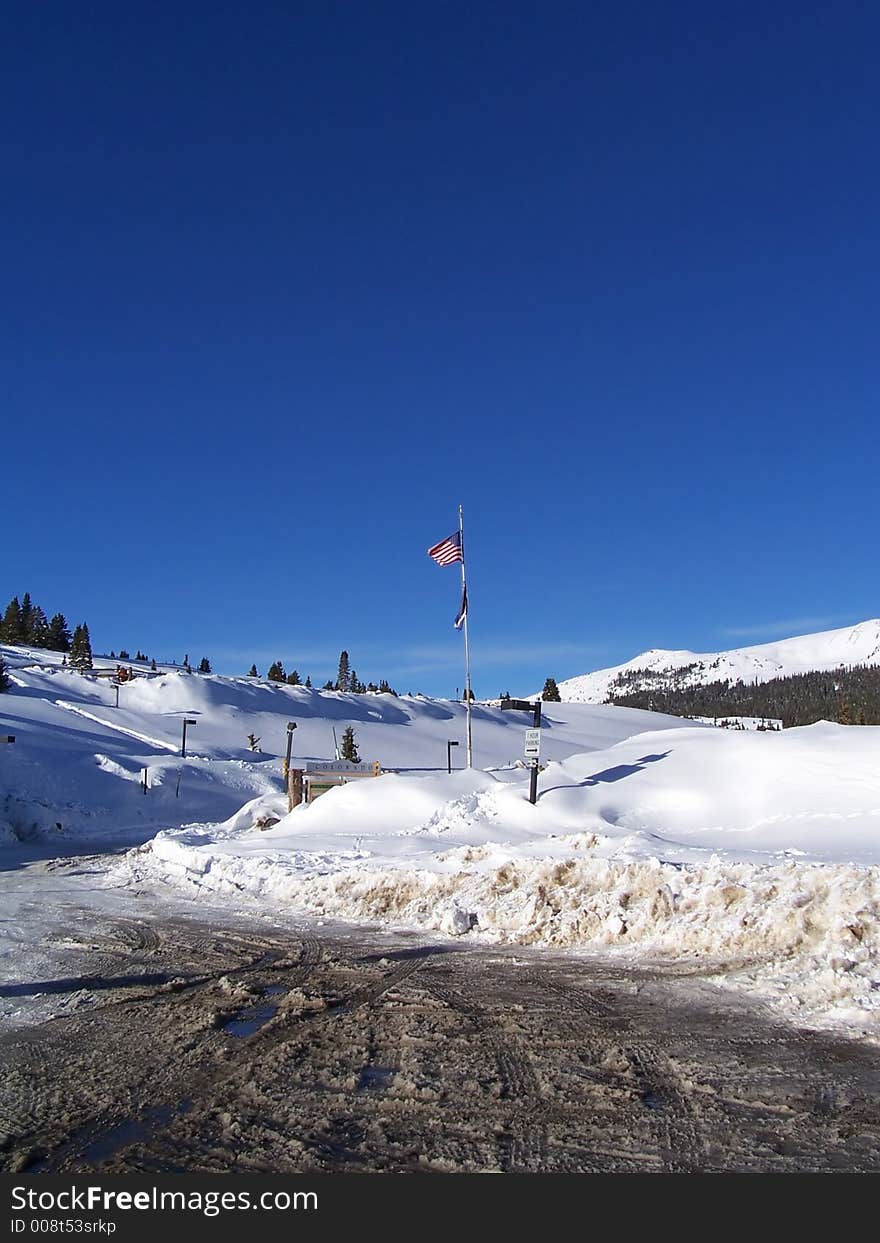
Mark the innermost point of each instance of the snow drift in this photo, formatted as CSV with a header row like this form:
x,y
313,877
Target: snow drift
x,y
759,852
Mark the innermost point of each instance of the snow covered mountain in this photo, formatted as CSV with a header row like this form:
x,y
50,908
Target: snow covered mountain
x,y
828,649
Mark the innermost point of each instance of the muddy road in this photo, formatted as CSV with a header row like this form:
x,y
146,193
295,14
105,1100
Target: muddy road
x,y
185,1047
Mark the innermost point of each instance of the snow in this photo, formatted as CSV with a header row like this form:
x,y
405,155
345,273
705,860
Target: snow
x,y
78,759
757,851
755,854
826,650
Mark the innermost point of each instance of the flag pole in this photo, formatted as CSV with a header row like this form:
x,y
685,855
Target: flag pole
x,y
467,650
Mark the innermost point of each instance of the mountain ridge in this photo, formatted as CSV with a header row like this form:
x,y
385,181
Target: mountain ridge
x,y
821,651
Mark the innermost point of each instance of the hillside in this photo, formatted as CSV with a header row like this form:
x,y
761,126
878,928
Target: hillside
x,y
78,760
820,652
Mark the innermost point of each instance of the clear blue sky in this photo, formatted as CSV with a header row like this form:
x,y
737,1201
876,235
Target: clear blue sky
x,y
284,283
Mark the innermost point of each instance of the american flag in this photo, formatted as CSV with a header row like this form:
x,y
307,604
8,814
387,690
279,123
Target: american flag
x,y
448,551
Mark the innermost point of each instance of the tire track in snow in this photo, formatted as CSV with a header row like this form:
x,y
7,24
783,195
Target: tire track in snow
x,y
662,1094
522,1145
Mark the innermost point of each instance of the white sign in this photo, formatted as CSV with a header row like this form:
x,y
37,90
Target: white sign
x,y
533,743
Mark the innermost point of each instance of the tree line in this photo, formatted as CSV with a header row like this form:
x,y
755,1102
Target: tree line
x,y
849,695
25,624
346,678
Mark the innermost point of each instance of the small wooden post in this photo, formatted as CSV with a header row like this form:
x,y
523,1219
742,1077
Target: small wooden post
x,y
145,781
294,788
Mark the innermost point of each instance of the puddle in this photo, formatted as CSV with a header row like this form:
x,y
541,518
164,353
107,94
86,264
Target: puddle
x,y
275,990
375,1078
246,1022
129,1131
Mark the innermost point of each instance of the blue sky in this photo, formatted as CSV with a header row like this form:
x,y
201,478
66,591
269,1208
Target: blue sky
x,y
283,284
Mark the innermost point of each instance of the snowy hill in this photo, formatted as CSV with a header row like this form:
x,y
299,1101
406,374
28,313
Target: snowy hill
x,y
828,649
78,760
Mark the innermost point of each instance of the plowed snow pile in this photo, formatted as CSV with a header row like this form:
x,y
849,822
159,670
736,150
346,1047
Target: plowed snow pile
x,y
758,852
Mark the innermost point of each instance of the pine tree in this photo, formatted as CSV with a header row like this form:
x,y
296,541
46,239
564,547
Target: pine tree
x,y
87,647
38,628
328,685
550,693
204,665
59,634
4,677
343,677
349,745
353,684
81,649
123,654
276,672
293,678
308,682
252,672
153,665
26,609
11,630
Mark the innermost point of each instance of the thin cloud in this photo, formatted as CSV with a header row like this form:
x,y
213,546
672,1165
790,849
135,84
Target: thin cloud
x,y
424,658
378,661
794,626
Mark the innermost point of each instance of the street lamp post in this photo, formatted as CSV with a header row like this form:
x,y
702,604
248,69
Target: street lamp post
x,y
291,726
450,744
187,720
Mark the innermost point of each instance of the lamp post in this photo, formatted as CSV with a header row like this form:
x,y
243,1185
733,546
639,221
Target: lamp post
x,y
450,744
291,726
187,720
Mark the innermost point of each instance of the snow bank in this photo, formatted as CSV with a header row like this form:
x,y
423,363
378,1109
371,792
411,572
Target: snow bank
x,y
754,852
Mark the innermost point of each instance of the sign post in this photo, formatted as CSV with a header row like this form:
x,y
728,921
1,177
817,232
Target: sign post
x,y
532,748
450,744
